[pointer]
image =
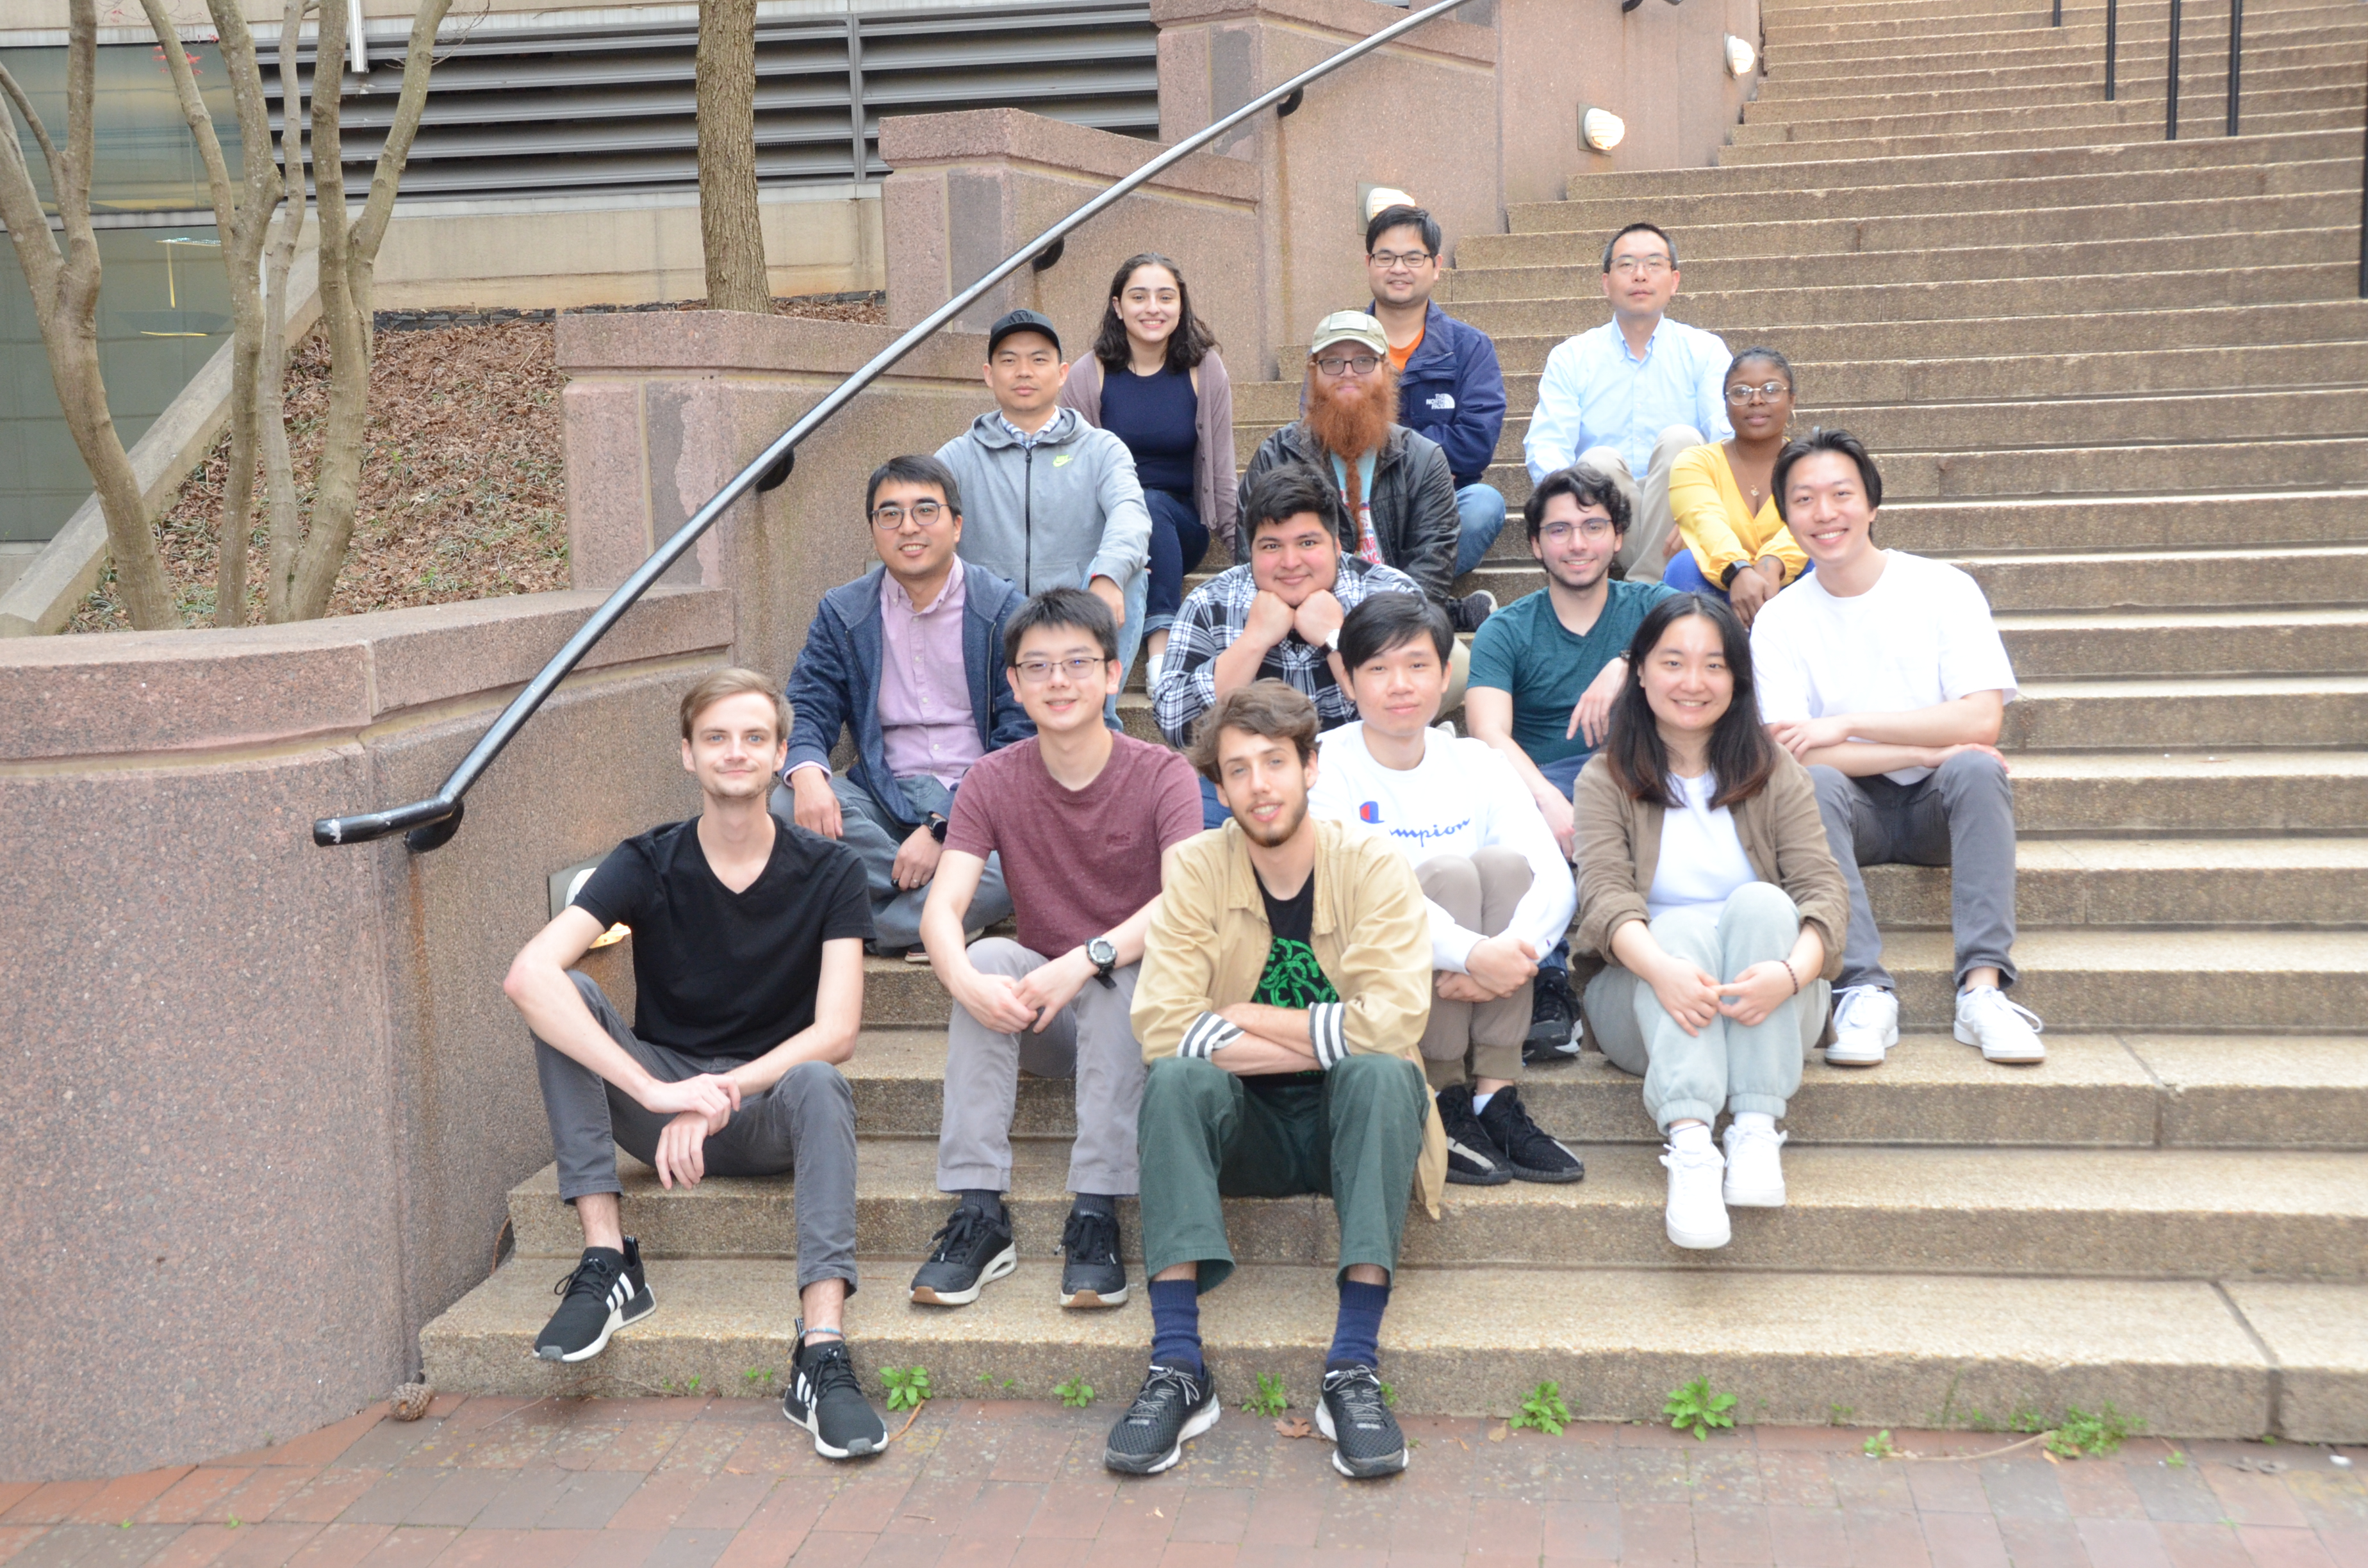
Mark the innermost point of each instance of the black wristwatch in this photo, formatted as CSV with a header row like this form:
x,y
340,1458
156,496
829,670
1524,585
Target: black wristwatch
x,y
937,826
1104,954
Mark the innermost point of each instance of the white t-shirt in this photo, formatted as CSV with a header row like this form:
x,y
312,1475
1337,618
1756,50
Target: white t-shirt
x,y
1920,637
1702,860
1462,798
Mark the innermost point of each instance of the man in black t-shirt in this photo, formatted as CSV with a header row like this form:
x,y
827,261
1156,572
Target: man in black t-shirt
x,y
748,939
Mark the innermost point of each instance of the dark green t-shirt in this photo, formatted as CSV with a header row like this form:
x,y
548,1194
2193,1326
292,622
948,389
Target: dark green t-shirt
x,y
1524,649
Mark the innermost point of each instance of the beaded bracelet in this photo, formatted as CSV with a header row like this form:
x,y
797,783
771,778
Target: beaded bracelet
x,y
1789,970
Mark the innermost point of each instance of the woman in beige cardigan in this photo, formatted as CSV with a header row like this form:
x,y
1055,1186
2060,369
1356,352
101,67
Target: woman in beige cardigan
x,y
1706,883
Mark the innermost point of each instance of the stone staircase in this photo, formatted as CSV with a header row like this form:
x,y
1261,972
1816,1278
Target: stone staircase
x,y
2122,382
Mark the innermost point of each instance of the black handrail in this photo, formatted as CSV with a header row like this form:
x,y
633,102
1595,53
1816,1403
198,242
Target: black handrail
x,y
2113,19
2235,57
431,822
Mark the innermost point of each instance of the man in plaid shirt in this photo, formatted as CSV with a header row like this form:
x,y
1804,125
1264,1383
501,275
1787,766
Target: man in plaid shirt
x,y
1277,615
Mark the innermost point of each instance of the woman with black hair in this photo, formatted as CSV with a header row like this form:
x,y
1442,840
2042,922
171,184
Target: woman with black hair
x,y
1706,884
1730,540
1156,381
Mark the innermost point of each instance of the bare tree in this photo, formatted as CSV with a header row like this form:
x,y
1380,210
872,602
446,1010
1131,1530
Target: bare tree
x,y
278,467
65,283
242,217
730,229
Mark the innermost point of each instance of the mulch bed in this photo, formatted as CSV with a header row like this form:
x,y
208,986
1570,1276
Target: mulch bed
x,y
463,485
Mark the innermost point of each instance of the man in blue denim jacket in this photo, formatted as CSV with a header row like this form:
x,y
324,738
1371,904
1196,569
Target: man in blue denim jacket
x,y
1450,387
909,658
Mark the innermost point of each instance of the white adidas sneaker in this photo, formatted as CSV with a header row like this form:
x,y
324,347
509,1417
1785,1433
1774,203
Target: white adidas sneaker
x,y
2005,1031
1866,1024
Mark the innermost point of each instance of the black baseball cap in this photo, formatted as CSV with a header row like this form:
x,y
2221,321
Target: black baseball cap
x,y
1020,321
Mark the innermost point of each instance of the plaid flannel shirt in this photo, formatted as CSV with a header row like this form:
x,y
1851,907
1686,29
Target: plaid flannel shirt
x,y
1213,615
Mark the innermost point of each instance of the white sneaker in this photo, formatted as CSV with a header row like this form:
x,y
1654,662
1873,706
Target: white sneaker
x,y
2005,1031
1696,1217
1866,1024
1755,1171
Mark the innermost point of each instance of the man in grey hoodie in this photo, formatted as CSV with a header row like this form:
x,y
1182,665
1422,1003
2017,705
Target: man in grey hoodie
x,y
1049,501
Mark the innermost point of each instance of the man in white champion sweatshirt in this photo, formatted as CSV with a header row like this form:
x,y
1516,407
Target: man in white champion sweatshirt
x,y
1499,891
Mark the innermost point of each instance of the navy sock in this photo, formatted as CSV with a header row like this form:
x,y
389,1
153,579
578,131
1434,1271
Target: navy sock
x,y
1176,1323
1100,1203
986,1200
1356,1337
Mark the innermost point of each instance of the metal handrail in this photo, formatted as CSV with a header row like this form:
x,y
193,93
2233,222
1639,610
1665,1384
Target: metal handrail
x,y
428,824
2170,98
2171,89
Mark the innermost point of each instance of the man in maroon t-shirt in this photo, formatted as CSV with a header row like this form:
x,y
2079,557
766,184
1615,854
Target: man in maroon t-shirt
x,y
1081,816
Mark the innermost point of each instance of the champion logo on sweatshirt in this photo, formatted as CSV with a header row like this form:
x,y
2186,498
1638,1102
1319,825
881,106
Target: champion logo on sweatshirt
x,y
1370,811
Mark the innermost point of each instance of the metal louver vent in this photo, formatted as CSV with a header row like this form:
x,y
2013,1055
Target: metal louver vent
x,y
530,112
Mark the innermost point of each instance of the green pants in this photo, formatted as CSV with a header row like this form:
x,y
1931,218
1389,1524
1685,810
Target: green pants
x,y
1354,1134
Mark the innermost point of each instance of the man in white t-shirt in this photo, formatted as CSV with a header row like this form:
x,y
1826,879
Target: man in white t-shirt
x,y
1885,673
1499,891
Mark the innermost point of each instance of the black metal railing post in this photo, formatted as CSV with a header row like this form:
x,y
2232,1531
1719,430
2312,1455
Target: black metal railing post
x,y
2170,102
2055,15
2235,57
2363,214
2112,17
430,822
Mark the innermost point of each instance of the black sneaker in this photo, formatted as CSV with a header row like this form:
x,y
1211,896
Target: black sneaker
x,y
1091,1275
1176,1404
1532,1154
1554,1020
606,1292
825,1398
971,1251
1472,1160
1472,610
1366,1441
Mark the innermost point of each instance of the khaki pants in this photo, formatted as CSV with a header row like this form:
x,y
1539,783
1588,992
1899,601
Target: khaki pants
x,y
1651,524
1481,1039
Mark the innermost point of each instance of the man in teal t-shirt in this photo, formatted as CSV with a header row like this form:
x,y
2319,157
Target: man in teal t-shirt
x,y
1546,671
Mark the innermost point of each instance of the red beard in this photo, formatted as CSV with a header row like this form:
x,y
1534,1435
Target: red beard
x,y
1351,426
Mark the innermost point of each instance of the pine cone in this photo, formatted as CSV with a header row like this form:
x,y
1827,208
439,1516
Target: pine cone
x,y
409,1401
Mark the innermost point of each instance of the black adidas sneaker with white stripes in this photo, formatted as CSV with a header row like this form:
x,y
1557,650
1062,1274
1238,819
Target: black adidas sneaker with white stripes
x,y
825,1397
607,1292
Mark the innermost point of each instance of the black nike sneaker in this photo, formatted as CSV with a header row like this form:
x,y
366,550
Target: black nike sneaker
x,y
1091,1274
971,1251
1554,1031
1473,1159
825,1398
607,1292
1366,1441
1533,1156
1176,1405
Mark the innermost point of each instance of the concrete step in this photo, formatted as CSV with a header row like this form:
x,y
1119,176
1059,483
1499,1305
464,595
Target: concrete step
x,y
2172,1091
1782,121
1968,31
2252,710
2081,40
2170,522
2187,643
2152,1213
1894,144
2190,1358
1782,18
2074,76
2152,882
2187,789
1946,86
2329,576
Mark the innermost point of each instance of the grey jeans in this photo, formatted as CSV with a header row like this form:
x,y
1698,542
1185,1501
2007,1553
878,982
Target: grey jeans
x,y
866,827
1961,815
803,1124
1728,1065
1090,1039
1481,892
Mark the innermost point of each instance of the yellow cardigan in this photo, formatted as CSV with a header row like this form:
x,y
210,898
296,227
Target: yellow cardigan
x,y
1716,524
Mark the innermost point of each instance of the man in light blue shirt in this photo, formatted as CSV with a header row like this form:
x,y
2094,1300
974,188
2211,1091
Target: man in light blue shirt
x,y
1628,396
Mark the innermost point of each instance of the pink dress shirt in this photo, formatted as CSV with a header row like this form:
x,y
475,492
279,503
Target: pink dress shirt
x,y
924,714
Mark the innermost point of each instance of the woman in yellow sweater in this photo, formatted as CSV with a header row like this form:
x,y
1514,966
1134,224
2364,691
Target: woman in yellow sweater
x,y
1733,543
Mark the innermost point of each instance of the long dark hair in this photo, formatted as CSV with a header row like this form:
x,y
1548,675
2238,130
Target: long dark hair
x,y
1186,345
1741,755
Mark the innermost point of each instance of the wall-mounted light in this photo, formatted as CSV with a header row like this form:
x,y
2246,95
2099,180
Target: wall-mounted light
x,y
1601,128
1740,57
567,884
1372,199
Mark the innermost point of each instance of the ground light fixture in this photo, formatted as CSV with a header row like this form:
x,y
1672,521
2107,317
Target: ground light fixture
x,y
1601,128
1740,57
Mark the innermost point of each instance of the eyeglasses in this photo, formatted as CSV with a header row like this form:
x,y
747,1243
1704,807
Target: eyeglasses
x,y
1650,266
1363,364
1586,528
1036,671
1766,392
888,519
1390,260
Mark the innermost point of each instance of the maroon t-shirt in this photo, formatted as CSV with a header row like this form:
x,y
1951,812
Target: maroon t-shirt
x,y
1078,862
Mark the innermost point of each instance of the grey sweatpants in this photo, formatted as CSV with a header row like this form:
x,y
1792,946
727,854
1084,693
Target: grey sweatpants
x,y
1728,1066
1090,1039
804,1123
1645,548
1480,891
1961,815
866,827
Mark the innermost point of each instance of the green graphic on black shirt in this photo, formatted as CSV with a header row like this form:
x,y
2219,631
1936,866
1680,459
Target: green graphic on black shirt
x,y
1292,977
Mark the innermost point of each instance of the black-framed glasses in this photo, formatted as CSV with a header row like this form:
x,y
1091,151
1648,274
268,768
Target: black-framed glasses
x,y
1363,364
1036,671
888,519
1389,260
1766,392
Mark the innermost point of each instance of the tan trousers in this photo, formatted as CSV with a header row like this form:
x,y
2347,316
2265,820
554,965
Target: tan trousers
x,y
1651,524
1481,1039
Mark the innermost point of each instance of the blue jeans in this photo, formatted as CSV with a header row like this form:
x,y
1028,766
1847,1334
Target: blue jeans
x,y
1480,518
1214,814
1130,639
1178,540
1563,776
1684,574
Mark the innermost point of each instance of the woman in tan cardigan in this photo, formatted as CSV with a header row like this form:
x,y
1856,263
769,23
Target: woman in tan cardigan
x,y
1706,883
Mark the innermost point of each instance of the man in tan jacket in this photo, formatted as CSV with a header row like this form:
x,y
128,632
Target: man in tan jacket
x,y
1284,990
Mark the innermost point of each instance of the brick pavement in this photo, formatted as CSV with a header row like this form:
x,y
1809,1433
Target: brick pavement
x,y
727,1483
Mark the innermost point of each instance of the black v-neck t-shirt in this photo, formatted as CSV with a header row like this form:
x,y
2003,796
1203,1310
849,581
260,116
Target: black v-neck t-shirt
x,y
720,973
